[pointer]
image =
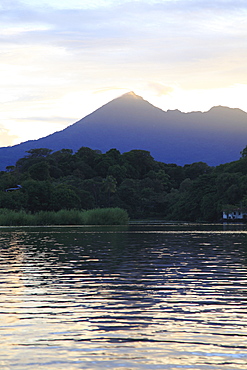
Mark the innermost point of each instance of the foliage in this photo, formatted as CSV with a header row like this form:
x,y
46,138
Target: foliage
x,y
104,216
15,218
60,182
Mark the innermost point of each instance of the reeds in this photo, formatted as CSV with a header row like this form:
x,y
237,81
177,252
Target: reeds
x,y
100,216
106,216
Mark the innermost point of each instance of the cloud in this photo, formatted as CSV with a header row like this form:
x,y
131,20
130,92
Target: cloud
x,y
122,24
110,34
160,89
58,54
130,32
109,88
6,138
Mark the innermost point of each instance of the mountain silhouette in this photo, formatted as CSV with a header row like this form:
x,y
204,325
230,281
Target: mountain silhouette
x,y
130,122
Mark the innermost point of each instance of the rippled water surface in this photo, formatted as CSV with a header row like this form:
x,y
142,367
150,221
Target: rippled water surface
x,y
136,297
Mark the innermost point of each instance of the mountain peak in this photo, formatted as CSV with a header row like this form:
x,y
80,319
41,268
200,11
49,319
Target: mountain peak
x,y
130,122
132,95
226,111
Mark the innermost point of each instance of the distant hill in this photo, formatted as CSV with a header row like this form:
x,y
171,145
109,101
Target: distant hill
x,y
129,122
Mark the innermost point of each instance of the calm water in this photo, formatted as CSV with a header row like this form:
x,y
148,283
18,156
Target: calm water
x,y
137,297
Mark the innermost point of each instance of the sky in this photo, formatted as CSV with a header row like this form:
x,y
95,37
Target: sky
x,y
60,60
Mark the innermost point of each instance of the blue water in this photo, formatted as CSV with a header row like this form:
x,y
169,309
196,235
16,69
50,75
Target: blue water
x,y
135,297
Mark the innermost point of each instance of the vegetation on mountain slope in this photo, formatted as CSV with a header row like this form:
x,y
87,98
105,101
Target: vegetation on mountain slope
x,y
133,181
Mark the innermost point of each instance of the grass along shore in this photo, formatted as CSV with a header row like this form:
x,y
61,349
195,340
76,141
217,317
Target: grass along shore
x,y
99,216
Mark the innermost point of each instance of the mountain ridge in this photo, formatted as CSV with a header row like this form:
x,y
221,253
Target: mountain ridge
x,y
130,122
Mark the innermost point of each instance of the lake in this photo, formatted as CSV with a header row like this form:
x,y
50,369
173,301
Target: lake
x,y
143,296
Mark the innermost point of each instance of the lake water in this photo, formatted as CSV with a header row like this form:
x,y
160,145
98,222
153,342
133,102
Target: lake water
x,y
137,297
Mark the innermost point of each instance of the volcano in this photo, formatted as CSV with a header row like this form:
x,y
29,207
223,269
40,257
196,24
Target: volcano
x,y
130,122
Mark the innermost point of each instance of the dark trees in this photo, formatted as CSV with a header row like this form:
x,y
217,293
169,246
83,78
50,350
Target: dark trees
x,y
132,180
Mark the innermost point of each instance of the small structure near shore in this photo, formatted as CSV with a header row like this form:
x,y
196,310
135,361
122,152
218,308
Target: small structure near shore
x,y
235,214
18,187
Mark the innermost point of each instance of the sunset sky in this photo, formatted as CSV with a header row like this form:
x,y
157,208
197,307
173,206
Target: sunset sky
x,y
62,59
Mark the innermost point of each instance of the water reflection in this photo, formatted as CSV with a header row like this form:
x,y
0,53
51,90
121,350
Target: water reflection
x,y
145,297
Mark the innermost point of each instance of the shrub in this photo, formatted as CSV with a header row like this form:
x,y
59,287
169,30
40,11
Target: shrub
x,y
101,216
14,218
69,217
106,216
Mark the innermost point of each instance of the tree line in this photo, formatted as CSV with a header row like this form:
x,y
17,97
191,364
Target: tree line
x,y
134,181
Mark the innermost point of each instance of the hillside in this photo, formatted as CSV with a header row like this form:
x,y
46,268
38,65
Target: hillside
x,y
129,122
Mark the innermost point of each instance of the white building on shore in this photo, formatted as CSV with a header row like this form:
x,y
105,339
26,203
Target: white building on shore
x,y
235,214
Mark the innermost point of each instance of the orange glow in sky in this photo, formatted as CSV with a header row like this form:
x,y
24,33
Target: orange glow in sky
x,y
61,60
